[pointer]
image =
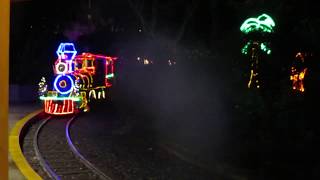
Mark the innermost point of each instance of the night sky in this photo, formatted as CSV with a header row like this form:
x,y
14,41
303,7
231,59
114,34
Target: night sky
x,y
210,20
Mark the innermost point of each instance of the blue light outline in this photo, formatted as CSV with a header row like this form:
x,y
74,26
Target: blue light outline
x,y
55,84
61,51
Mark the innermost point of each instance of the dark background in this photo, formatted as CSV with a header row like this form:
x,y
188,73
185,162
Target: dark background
x,y
38,27
200,105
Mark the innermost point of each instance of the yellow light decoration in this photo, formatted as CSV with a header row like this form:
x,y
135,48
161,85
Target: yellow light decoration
x,y
146,62
92,93
98,90
254,78
84,102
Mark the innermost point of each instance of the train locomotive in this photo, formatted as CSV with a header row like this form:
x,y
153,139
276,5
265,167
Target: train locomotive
x,y
78,80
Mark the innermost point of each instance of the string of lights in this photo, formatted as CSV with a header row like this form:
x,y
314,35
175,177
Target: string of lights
x,y
75,83
252,48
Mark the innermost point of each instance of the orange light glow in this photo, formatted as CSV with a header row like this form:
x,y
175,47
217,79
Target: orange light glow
x,y
297,79
298,72
58,108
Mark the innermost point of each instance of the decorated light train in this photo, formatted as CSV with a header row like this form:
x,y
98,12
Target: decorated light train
x,y
79,79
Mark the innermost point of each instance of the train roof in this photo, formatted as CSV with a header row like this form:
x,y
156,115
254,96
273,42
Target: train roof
x,y
88,56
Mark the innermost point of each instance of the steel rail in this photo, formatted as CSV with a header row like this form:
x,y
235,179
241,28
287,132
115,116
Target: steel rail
x,y
42,161
82,160
81,157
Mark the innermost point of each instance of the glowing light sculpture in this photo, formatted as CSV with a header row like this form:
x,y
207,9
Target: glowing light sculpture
x,y
109,76
64,108
56,98
298,73
254,80
263,47
75,85
61,67
63,84
261,25
43,87
66,51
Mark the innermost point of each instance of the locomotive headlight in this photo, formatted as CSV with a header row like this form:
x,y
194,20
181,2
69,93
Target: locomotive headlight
x,y
61,68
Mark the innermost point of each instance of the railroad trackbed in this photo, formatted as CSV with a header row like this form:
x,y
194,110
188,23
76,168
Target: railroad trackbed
x,y
48,149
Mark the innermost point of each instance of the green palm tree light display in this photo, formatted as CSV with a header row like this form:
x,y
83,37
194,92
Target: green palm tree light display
x,y
263,23
259,26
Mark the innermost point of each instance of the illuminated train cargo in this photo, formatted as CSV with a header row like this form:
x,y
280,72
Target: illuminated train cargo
x,y
79,79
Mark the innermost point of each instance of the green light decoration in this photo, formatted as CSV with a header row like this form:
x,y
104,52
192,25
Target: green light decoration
x,y
245,48
109,76
263,46
263,23
59,98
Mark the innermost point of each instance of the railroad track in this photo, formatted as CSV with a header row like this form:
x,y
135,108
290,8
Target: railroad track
x,y
51,152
